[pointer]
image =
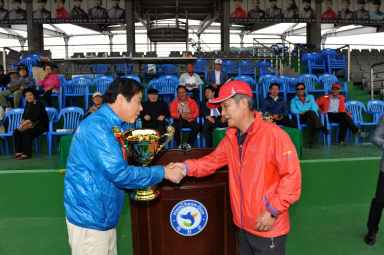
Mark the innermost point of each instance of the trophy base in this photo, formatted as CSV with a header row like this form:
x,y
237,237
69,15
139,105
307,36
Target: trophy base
x,y
144,194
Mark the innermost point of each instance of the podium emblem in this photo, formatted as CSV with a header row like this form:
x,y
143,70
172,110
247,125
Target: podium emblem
x,y
189,217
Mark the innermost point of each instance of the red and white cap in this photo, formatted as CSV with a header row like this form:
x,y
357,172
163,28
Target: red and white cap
x,y
228,90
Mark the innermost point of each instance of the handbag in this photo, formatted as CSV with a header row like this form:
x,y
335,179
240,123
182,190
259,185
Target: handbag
x,y
26,127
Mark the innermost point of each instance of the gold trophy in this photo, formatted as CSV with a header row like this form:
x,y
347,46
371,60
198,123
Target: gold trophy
x,y
142,145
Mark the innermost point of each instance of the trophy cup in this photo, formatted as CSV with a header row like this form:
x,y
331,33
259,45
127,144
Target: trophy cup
x,y
142,145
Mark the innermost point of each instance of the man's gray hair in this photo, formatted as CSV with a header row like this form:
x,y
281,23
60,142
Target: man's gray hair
x,y
238,97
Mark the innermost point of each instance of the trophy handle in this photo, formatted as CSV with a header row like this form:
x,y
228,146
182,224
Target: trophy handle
x,y
170,133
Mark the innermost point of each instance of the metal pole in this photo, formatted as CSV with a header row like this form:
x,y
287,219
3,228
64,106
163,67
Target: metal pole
x,y
66,40
349,64
298,59
4,60
371,83
289,55
110,43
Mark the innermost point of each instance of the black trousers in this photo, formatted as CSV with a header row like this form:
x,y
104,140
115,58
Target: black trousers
x,y
186,124
377,205
47,96
23,140
287,122
345,122
250,244
310,118
208,127
196,94
155,124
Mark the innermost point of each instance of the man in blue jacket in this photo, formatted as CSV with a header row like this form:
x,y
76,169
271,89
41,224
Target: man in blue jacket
x,y
217,77
305,107
97,174
275,105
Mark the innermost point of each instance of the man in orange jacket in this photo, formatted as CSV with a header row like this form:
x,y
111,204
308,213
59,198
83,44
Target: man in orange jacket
x,y
264,172
185,110
334,105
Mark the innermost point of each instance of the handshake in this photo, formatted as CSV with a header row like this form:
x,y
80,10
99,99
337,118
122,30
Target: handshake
x,y
175,172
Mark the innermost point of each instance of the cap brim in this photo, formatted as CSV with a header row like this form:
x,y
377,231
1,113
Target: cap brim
x,y
216,102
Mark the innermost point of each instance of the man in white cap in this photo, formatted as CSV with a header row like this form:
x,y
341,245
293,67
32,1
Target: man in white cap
x,y
97,99
217,77
263,170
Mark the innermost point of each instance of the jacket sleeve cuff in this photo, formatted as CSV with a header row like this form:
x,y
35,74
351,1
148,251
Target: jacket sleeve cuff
x,y
272,212
157,174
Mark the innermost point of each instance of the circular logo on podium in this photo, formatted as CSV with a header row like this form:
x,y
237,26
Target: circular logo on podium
x,y
189,217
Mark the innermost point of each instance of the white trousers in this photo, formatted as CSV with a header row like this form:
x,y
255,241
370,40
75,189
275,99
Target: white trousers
x,y
84,241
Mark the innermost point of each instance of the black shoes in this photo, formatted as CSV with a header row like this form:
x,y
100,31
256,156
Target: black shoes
x,y
361,133
370,238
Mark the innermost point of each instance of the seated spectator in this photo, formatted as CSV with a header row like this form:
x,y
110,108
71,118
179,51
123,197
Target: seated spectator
x,y
191,81
34,122
16,86
333,104
154,112
213,118
97,99
275,105
50,83
306,107
4,78
12,74
184,112
217,77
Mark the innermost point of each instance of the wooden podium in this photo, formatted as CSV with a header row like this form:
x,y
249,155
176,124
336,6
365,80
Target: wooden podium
x,y
152,232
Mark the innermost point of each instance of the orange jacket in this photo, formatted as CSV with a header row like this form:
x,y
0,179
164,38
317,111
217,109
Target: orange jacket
x,y
266,176
324,102
192,107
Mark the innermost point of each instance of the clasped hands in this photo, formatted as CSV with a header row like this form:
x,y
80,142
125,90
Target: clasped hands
x,y
175,172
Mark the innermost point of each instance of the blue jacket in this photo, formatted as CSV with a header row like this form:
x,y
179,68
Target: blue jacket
x,y
310,104
211,79
274,107
97,173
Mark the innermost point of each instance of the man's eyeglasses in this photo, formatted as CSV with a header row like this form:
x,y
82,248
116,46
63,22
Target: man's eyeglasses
x,y
300,89
335,88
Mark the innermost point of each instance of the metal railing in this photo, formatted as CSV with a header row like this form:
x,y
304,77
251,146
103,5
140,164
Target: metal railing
x,y
372,76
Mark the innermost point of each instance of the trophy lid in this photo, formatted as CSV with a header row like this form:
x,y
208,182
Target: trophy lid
x,y
140,135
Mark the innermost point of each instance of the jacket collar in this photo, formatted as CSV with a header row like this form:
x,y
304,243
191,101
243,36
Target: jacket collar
x,y
256,125
110,116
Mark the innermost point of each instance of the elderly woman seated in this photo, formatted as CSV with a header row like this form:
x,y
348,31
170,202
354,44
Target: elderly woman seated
x,y
50,84
34,122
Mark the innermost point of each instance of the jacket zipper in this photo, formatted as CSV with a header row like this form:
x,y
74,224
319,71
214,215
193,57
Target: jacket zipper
x,y
241,157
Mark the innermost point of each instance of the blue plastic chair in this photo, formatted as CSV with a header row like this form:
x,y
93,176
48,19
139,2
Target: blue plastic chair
x,y
14,117
197,141
71,117
166,85
265,82
335,61
329,126
265,67
201,67
246,68
77,87
101,83
229,67
327,80
150,75
52,115
168,69
310,81
100,69
123,69
252,83
375,107
356,108
314,61
300,125
132,76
